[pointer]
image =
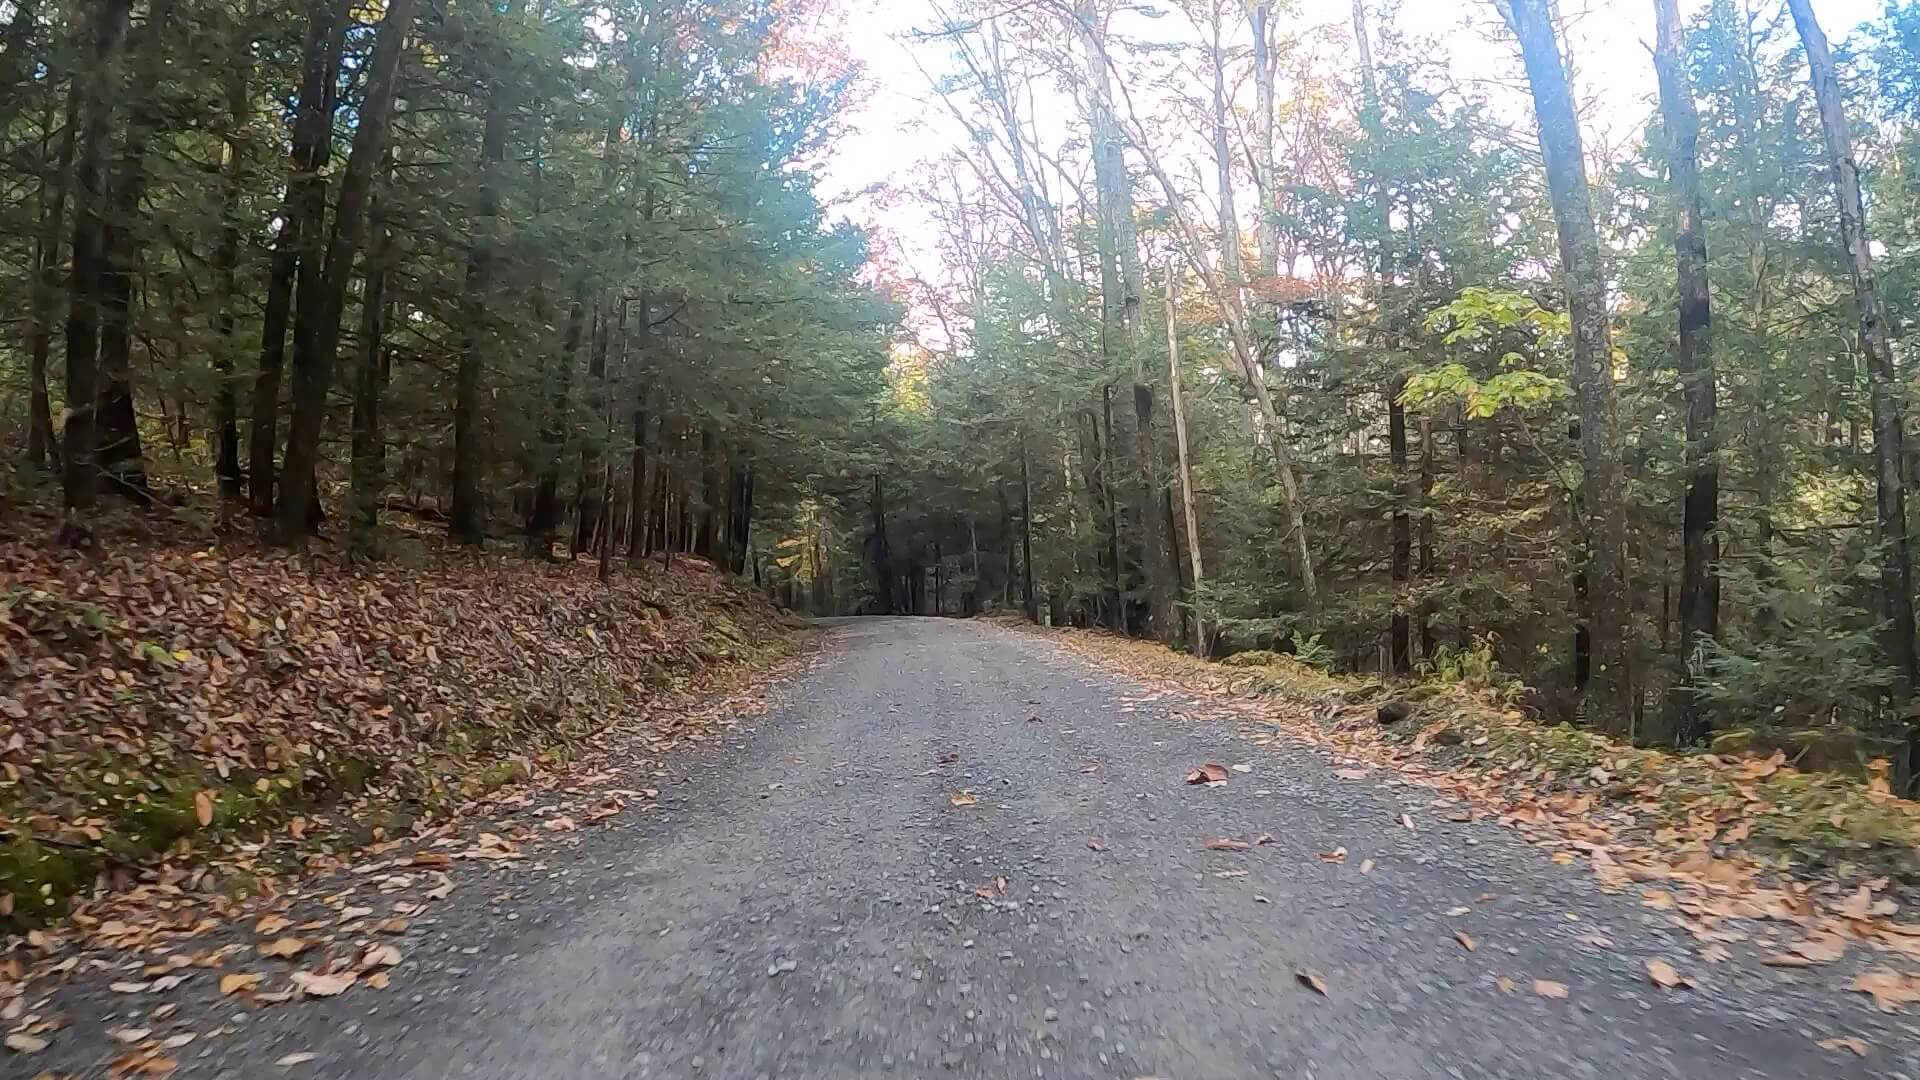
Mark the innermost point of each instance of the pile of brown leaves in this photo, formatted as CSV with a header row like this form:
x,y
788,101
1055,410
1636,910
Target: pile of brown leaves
x,y
162,698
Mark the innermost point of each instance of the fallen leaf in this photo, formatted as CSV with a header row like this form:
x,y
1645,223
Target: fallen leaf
x,y
962,798
270,925
1209,774
1504,984
1465,941
139,1063
1456,912
1096,845
434,859
380,956
1657,899
22,1043
288,1061
285,948
1224,843
1547,988
130,987
1786,960
203,808
1858,905
1337,855
379,980
560,824
239,981
315,985
1844,1042
1352,774
128,1035
1715,953
1312,980
1406,821
1663,974
1821,948
1890,990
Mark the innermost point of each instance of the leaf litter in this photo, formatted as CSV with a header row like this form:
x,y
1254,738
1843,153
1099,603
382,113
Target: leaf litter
x,y
159,910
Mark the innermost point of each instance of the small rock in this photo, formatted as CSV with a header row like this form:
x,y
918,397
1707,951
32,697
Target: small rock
x,y
1392,712
781,967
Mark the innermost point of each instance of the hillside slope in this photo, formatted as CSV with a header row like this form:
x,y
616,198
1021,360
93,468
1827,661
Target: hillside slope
x,y
209,714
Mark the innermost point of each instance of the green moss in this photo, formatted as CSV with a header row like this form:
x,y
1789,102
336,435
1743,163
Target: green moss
x,y
43,877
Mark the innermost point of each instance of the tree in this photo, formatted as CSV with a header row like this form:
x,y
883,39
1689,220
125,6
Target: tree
x,y
1889,427
322,290
1699,608
1609,696
80,475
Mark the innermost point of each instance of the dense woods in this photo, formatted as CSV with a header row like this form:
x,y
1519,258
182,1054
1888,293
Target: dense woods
x,y
1396,371
1238,330
518,268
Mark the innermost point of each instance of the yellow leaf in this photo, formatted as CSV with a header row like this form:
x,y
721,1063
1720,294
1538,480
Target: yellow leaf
x,y
203,808
239,981
1662,974
324,985
285,948
1844,1042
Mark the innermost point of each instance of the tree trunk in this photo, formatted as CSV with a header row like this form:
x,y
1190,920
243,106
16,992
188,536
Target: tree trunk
x,y
302,215
1261,16
711,519
116,435
543,516
1387,316
882,558
1889,434
466,522
1186,471
1116,581
79,476
587,515
226,261
1693,357
317,321
1029,603
1142,562
368,477
1610,691
1428,647
55,182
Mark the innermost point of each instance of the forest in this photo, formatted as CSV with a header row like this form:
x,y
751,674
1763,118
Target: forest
x,y
1231,327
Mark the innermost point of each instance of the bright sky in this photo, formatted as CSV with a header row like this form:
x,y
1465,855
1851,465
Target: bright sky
x,y
900,130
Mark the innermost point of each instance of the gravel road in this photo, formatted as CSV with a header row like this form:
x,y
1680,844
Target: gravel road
x,y
806,901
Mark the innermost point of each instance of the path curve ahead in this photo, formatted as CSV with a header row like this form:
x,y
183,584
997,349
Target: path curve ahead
x,y
807,902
